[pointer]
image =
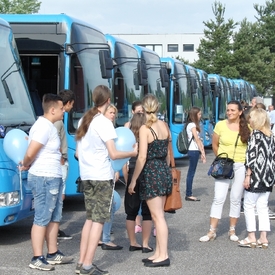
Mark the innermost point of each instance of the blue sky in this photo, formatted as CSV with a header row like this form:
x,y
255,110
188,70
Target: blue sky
x,y
149,16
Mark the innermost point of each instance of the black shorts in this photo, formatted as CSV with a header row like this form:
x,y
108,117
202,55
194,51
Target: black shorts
x,y
132,203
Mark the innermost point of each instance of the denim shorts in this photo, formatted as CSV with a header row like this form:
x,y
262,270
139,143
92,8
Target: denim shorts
x,y
98,196
47,194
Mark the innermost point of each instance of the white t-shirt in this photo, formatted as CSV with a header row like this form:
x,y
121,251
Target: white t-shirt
x,y
193,145
47,160
272,116
94,161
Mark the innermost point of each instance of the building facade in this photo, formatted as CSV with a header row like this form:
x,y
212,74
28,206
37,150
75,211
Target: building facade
x,y
168,45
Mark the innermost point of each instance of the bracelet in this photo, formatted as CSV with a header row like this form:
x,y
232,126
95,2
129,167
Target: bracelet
x,y
247,175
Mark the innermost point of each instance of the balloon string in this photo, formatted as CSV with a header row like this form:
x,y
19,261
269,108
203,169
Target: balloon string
x,y
21,187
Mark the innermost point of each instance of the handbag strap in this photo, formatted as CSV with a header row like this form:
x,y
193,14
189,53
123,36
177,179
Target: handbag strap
x,y
170,150
235,146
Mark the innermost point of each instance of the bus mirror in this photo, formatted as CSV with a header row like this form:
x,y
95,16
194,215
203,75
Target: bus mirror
x,y
164,77
142,73
195,85
106,64
204,88
136,82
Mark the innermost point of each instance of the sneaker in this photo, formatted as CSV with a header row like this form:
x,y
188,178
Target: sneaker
x,y
59,258
41,264
138,229
63,236
94,270
78,268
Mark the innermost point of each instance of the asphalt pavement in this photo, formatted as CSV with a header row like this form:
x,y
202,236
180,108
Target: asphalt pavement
x,y
188,256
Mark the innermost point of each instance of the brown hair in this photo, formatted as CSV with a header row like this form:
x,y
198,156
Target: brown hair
x,y
193,117
49,101
100,96
137,121
244,130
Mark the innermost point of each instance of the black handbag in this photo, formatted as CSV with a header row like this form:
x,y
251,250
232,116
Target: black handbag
x,y
222,166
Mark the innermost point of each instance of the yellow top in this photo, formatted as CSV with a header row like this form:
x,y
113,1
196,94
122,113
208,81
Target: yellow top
x,y
227,142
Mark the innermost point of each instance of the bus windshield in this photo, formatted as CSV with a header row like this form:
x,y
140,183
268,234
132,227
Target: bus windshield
x,y
153,66
85,68
182,99
15,103
126,88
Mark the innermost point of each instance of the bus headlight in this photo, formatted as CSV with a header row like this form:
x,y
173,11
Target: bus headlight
x,y
10,198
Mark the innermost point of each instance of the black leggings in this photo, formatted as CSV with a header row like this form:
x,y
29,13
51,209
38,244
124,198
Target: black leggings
x,y
132,202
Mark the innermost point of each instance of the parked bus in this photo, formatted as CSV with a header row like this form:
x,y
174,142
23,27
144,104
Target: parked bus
x,y
207,110
16,111
157,79
129,76
179,98
59,52
219,99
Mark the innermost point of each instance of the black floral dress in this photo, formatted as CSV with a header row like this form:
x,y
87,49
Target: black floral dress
x,y
157,178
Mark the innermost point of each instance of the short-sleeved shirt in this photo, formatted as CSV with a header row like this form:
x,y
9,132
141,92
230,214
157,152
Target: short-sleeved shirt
x,y
59,125
94,161
193,145
47,160
227,142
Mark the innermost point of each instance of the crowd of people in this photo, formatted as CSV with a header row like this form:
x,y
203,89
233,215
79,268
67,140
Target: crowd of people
x,y
246,136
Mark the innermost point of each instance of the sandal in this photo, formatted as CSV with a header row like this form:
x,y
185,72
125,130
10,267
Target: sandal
x,y
262,245
246,243
232,235
211,236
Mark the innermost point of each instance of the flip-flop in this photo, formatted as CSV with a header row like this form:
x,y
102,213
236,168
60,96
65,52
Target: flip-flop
x,y
246,243
262,245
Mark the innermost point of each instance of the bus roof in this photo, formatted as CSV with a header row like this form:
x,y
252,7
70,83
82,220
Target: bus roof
x,y
44,18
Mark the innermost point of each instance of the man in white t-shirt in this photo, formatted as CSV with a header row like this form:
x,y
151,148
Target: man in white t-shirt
x,y
42,159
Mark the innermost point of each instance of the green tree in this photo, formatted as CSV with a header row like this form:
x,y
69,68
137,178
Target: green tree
x,y
253,60
19,6
266,46
215,50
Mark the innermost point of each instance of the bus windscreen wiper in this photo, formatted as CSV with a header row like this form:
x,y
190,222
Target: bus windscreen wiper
x,y
5,84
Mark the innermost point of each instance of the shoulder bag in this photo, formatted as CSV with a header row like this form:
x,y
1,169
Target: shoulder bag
x,y
222,166
173,200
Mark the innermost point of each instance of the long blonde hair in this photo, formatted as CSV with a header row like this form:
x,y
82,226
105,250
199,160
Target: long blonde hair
x,y
151,106
100,96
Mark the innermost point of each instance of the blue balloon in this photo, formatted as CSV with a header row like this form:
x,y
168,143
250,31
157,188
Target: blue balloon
x,y
15,144
117,201
124,142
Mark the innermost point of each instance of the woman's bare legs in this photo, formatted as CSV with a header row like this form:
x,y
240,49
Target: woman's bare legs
x,y
130,226
146,232
156,206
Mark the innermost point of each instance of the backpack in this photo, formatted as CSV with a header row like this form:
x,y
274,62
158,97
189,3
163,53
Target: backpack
x,y
182,142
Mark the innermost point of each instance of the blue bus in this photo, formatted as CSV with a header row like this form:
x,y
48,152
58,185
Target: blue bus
x,y
218,95
16,201
179,98
60,52
207,110
129,76
157,79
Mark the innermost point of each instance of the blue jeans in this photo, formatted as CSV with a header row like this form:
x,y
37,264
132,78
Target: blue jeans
x,y
107,227
193,162
47,194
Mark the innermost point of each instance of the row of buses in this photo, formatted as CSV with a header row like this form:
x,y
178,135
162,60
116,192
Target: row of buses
x,y
47,53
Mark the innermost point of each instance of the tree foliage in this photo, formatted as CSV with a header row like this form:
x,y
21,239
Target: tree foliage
x,y
215,50
248,53
19,6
